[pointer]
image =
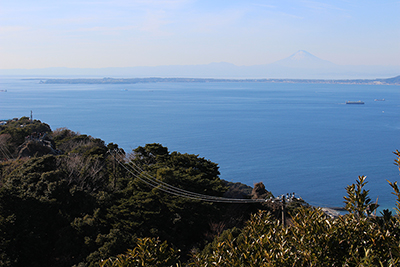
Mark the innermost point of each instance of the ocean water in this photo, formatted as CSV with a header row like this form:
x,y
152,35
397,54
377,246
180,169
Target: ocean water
x,y
298,138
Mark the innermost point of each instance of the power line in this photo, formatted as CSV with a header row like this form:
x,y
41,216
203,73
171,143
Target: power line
x,y
175,188
4,150
150,180
167,188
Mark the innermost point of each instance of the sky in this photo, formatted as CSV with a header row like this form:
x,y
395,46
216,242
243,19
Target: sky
x,y
128,33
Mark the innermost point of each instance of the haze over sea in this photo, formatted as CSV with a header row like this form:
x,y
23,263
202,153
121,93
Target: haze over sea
x,y
299,138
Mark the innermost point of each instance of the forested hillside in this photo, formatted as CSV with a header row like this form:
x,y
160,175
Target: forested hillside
x,y
69,199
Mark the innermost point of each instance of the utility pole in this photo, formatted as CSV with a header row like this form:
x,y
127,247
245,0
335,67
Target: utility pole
x,y
283,210
114,163
281,200
31,117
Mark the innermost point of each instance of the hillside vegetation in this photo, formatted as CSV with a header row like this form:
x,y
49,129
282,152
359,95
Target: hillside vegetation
x,y
69,199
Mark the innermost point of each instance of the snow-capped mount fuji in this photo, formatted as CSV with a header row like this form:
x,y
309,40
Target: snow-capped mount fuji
x,y
302,55
303,59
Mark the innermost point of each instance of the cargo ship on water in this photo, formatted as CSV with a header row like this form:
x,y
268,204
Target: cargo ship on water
x,y
355,102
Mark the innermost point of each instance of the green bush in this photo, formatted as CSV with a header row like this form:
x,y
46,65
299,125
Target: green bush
x,y
313,238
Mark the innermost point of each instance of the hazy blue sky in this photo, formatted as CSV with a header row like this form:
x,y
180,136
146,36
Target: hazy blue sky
x,y
122,33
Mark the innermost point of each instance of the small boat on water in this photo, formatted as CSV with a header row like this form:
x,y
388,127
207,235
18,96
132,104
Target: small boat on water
x,y
355,102
380,99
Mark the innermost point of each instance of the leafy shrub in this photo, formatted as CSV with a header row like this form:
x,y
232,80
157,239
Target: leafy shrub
x,y
313,238
148,252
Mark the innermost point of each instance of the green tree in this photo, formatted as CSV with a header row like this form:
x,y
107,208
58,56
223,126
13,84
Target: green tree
x,y
149,212
47,218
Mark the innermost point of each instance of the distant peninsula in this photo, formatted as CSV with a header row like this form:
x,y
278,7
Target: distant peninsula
x,y
387,81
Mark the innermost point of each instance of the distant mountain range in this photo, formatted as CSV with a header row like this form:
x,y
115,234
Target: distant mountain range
x,y
301,65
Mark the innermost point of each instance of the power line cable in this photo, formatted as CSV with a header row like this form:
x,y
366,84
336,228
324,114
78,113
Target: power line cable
x,y
5,151
172,187
187,194
167,188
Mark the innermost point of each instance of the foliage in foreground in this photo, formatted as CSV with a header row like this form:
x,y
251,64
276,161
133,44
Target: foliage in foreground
x,y
148,252
312,239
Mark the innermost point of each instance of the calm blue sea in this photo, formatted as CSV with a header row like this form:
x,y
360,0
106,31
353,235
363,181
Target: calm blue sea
x,y
298,138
